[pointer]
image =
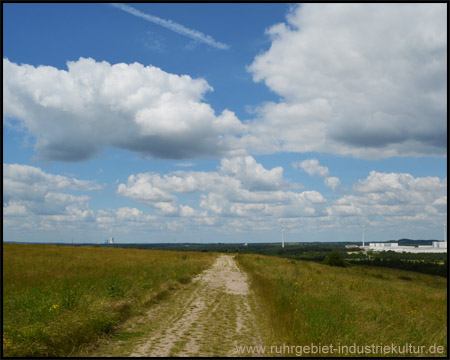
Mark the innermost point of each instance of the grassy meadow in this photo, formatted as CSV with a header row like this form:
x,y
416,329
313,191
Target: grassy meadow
x,y
304,303
57,298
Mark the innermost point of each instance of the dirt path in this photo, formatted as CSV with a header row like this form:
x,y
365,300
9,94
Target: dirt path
x,y
208,317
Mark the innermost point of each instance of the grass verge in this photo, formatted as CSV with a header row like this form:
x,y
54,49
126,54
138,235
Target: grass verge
x,y
306,303
58,298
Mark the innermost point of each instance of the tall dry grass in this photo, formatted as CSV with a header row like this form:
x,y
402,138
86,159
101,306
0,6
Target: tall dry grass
x,y
57,298
304,303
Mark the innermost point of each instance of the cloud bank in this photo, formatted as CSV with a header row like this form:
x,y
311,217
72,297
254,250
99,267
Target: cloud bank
x,y
198,200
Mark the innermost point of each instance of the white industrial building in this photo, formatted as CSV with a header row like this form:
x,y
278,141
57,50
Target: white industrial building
x,y
436,247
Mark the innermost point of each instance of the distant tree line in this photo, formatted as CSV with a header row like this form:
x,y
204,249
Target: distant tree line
x,y
427,263
421,267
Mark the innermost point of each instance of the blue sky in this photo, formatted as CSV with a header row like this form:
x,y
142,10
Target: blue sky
x,y
213,122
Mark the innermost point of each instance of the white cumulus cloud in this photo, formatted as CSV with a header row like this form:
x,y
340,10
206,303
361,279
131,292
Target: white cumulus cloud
x,y
363,80
332,182
395,197
76,113
312,167
252,174
241,187
31,192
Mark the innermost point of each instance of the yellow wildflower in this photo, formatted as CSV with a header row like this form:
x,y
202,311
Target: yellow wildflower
x,y
6,342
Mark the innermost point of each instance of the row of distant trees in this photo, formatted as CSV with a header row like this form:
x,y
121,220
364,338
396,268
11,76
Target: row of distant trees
x,y
331,253
396,261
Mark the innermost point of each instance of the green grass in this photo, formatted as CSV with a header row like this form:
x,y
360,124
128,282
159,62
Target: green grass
x,y
304,303
58,298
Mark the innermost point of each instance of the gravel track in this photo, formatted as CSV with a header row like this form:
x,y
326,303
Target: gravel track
x,y
208,317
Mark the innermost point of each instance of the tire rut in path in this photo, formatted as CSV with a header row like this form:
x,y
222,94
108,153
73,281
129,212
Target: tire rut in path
x,y
210,317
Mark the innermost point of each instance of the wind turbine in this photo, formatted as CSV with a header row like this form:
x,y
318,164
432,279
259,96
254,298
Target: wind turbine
x,y
445,234
362,226
282,234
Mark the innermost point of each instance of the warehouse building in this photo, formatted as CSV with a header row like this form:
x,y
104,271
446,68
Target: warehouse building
x,y
436,247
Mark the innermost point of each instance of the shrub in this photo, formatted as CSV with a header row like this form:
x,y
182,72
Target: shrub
x,y
335,259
